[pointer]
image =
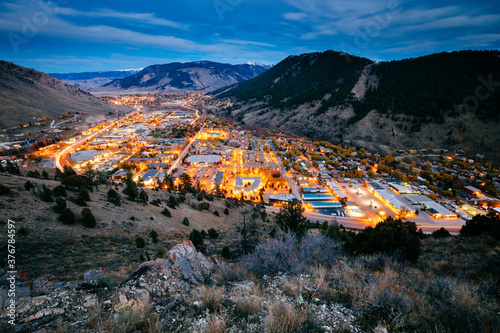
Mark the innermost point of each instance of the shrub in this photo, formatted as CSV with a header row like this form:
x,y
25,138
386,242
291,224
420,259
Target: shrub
x,y
45,175
4,190
88,220
285,254
482,224
156,202
140,242
185,221
73,181
79,201
225,252
216,213
204,206
114,197
204,234
197,239
441,233
154,236
60,205
226,211
166,213
67,216
33,174
59,191
29,185
391,236
212,233
84,194
172,202
46,194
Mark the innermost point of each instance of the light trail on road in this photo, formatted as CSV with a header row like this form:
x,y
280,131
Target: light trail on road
x,y
61,157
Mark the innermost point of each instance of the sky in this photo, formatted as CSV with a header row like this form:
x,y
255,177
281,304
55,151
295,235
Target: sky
x,y
62,36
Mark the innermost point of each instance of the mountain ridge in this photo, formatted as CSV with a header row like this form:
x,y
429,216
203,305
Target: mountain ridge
x,y
27,93
412,103
197,75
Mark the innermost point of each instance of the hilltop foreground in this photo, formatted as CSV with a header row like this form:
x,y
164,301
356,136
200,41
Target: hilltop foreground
x,y
80,277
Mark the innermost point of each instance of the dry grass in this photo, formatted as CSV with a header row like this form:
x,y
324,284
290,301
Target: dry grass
x,y
210,296
68,251
133,316
284,317
217,324
248,306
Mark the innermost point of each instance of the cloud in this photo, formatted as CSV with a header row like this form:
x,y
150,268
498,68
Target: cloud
x,y
294,16
146,18
245,42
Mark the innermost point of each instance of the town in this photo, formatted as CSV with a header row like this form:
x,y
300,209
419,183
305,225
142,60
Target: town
x,y
170,136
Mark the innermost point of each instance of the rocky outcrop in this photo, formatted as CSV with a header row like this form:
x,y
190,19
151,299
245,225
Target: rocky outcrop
x,y
49,301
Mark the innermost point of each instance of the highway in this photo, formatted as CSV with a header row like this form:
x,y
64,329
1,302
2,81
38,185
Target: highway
x,y
59,159
290,181
185,151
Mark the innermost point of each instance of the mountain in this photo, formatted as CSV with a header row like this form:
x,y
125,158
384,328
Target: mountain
x,y
198,75
445,100
26,93
87,80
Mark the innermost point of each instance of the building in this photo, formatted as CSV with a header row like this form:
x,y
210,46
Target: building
x,y
247,184
432,208
203,160
392,201
472,190
273,198
401,189
339,194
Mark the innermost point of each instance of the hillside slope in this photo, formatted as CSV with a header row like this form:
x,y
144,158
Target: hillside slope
x,y
198,75
446,100
26,94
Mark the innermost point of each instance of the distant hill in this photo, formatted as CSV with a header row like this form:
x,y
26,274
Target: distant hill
x,y
88,80
26,93
430,101
198,75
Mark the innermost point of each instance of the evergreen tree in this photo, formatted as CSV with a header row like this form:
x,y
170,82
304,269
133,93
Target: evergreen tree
x,y
114,197
60,205
290,218
88,220
197,239
130,187
67,216
46,194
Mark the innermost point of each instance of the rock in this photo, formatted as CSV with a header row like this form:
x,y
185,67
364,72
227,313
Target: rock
x,y
95,274
380,329
122,298
182,262
243,286
89,301
143,295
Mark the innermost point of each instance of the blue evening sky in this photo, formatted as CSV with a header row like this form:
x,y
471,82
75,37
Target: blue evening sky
x,y
90,35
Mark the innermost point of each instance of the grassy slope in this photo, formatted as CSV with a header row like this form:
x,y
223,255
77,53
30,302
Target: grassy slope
x,y
67,251
27,93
